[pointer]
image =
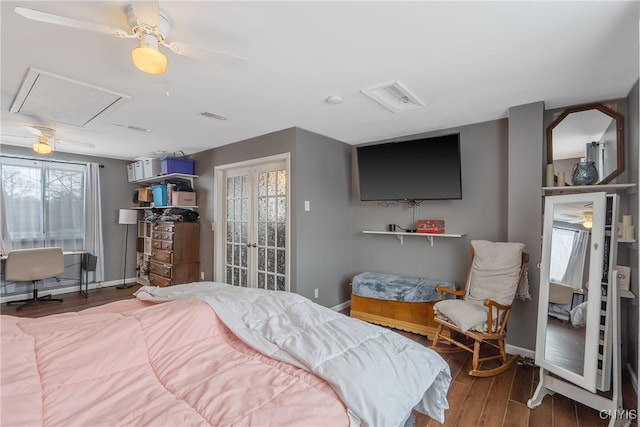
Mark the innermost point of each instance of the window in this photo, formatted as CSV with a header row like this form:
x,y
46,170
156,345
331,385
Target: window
x,y
44,203
562,242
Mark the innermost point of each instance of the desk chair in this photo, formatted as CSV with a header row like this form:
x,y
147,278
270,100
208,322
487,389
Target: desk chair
x,y
33,265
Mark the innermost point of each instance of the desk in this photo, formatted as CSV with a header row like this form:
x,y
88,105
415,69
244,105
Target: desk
x,y
83,264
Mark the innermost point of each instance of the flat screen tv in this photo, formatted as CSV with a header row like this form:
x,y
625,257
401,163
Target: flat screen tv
x,y
421,169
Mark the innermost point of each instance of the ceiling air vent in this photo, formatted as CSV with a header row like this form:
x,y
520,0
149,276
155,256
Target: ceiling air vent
x,y
48,96
394,96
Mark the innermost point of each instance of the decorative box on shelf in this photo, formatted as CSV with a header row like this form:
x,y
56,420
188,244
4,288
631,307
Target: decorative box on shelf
x,y
430,226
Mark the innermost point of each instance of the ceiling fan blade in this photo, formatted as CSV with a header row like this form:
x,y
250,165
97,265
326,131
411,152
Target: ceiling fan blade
x,y
50,18
39,130
200,52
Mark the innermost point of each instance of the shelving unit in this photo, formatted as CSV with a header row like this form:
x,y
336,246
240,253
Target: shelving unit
x,y
143,254
167,253
400,235
607,188
140,208
167,177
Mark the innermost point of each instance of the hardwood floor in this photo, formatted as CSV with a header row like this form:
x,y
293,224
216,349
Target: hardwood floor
x,y
72,301
499,401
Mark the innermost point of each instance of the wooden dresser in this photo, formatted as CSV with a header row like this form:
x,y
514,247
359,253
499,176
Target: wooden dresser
x,y
175,257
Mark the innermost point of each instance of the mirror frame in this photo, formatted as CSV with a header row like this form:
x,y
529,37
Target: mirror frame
x,y
590,362
619,133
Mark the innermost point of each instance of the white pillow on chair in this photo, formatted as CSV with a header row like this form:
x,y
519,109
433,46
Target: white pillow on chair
x,y
463,314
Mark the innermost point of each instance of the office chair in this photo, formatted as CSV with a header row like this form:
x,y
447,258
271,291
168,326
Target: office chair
x,y
33,265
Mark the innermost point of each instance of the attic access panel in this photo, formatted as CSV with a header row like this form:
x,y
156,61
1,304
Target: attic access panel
x,y
48,96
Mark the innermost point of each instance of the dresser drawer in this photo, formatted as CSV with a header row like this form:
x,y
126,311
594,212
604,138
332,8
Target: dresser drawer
x,y
161,235
165,245
160,268
163,227
156,280
162,256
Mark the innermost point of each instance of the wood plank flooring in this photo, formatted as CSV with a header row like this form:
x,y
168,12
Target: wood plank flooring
x,y
499,401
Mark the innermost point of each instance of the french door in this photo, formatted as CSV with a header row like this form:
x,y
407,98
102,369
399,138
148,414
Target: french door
x,y
256,214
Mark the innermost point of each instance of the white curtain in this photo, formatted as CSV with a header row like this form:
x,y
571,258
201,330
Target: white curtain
x,y
93,219
5,239
575,267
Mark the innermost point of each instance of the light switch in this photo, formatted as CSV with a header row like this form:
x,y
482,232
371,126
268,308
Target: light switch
x,y
307,206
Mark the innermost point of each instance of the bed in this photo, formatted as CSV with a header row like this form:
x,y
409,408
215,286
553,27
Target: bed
x,y
214,354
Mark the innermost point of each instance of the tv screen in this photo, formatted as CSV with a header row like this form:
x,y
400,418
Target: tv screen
x,y
422,169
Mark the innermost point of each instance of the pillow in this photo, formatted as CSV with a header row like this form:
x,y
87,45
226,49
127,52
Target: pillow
x,y
463,314
579,315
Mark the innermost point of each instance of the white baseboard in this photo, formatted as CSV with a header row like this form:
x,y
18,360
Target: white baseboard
x,y
512,349
634,377
341,306
69,289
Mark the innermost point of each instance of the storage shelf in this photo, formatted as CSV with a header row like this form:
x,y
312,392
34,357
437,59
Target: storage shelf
x,y
608,188
626,294
163,207
170,176
400,235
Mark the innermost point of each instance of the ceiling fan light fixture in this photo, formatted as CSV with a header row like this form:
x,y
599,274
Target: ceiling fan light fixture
x,y
588,223
147,58
42,146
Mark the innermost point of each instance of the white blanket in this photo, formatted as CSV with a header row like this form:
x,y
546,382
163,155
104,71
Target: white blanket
x,y
379,374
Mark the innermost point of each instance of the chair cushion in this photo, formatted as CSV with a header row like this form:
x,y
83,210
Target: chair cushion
x,y
465,315
495,271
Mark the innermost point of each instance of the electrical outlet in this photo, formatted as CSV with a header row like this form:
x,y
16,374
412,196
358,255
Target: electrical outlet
x,y
202,275
315,293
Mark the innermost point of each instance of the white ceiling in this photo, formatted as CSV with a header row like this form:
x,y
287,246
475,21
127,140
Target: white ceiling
x,y
467,61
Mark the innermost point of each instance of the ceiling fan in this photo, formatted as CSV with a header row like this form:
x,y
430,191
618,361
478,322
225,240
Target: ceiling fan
x,y
46,140
149,24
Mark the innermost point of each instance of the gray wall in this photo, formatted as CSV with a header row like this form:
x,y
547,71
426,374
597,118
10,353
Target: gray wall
x,y
266,145
320,241
323,235
116,194
481,213
525,178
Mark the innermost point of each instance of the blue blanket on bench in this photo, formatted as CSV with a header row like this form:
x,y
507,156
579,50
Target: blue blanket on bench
x,y
397,288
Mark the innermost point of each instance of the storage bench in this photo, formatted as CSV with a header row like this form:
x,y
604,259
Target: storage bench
x,y
399,302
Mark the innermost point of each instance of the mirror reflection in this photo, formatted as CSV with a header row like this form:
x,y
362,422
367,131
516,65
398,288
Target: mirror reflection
x,y
592,133
568,288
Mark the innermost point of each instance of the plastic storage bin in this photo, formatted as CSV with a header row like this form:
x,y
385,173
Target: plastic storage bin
x,y
150,168
159,194
131,172
177,165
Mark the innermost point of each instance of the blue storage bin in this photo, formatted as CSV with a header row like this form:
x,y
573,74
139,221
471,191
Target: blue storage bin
x,y
159,194
176,165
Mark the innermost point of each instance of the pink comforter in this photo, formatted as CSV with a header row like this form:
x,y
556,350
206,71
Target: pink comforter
x,y
133,363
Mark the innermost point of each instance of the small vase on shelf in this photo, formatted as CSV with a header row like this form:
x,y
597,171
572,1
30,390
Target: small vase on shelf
x,y
584,173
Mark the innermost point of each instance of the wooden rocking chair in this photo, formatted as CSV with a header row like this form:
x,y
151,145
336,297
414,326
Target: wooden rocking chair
x,y
492,280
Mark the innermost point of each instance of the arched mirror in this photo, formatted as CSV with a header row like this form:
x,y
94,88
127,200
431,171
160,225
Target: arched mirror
x,y
591,133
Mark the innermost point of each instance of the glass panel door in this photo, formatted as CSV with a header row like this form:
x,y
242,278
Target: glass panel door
x,y
237,228
272,226
256,227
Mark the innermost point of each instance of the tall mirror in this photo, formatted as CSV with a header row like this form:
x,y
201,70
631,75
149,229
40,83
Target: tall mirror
x,y
570,287
591,133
